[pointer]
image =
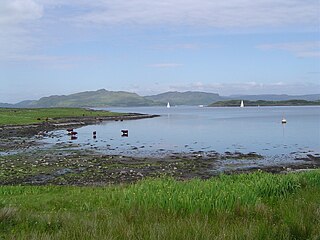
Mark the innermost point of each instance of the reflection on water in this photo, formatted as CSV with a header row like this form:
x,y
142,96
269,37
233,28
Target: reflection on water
x,y
191,129
283,128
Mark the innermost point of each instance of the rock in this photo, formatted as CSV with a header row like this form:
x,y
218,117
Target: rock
x,y
314,158
139,174
63,172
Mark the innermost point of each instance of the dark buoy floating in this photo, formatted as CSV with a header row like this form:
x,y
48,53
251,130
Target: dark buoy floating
x,y
94,134
125,133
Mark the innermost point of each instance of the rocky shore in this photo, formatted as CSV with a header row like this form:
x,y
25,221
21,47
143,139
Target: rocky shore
x,y
25,160
78,167
31,130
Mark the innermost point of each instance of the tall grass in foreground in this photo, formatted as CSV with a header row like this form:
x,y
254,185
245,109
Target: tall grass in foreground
x,y
248,206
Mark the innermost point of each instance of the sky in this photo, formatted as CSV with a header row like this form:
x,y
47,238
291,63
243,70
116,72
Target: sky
x,y
55,47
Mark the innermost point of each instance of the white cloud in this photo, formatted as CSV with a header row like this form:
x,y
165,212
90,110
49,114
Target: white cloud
x,y
249,88
183,46
309,54
52,61
299,49
17,11
227,89
14,16
50,58
165,65
219,14
23,22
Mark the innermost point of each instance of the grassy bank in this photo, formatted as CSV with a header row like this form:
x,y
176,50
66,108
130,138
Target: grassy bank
x,y
251,206
38,115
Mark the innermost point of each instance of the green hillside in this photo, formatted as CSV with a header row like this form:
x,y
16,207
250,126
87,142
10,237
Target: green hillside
x,y
186,98
5,105
100,98
104,98
236,103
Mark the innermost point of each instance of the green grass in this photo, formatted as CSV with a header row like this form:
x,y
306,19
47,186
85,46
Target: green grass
x,y
248,206
37,115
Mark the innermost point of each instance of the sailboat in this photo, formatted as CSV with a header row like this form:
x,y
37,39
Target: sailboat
x,y
168,105
283,121
242,104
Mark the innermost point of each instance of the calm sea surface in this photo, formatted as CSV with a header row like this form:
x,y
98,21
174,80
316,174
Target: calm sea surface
x,y
190,129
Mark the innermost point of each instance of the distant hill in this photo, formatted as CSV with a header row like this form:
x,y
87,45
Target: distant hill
x,y
99,98
25,103
276,97
185,98
236,103
6,105
104,98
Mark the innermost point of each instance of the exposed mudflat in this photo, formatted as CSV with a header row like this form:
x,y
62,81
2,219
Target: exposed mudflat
x,y
25,160
40,129
64,166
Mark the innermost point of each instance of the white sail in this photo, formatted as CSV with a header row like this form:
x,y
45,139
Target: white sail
x,y
168,105
283,119
242,104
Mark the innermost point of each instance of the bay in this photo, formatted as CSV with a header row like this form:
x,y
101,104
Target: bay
x,y
186,129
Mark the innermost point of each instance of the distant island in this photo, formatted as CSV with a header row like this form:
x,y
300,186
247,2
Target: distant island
x,y
186,98
104,98
236,103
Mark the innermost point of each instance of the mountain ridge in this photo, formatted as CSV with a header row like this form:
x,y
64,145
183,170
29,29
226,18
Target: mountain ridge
x,y
105,98
186,98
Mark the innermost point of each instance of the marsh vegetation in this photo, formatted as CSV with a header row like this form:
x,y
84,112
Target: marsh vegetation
x,y
247,206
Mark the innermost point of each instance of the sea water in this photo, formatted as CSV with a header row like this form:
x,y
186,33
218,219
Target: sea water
x,y
185,129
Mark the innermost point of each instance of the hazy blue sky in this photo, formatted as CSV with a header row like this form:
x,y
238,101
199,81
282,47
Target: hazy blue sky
x,y
146,46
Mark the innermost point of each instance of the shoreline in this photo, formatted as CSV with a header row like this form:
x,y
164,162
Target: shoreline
x,y
35,163
66,166
30,130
